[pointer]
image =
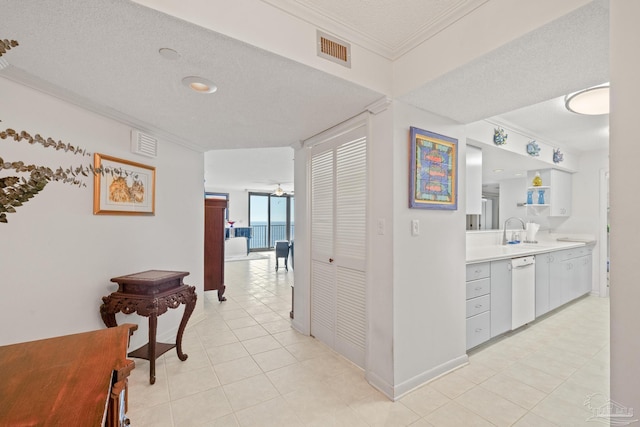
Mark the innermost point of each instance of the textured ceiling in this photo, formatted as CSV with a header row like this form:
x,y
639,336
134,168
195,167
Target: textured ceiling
x,y
564,56
103,55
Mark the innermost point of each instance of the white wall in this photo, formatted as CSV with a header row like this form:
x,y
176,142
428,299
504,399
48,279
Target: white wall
x,y
625,228
57,258
239,207
381,152
428,270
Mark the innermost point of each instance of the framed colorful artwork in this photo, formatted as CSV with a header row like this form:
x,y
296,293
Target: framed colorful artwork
x,y
433,171
121,187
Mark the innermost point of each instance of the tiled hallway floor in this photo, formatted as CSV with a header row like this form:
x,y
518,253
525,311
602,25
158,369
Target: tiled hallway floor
x,y
247,367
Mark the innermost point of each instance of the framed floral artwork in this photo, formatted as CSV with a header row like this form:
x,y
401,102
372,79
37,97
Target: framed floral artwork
x,y
122,187
433,171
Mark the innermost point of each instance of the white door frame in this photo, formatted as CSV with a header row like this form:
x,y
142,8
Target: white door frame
x,y
603,282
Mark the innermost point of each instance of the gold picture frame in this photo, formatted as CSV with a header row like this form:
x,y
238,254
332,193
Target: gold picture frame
x,y
122,187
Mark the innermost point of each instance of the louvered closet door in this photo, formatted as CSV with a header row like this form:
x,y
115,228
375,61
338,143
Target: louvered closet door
x,y
338,244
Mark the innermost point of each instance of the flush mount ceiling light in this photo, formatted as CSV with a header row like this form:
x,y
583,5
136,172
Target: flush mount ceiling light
x,y
592,101
199,84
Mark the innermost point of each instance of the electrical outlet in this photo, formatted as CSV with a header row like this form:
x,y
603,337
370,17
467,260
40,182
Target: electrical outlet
x,y
415,227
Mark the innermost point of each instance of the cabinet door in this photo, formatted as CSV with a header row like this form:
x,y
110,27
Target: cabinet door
x,y
557,278
560,197
500,297
574,279
478,329
585,275
474,180
542,283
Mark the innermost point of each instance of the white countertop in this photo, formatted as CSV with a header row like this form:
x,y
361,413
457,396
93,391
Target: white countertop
x,y
494,252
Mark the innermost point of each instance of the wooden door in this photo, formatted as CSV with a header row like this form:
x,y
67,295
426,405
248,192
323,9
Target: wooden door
x,y
214,246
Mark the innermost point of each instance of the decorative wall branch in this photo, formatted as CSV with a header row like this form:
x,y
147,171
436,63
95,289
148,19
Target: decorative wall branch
x,y
6,45
15,191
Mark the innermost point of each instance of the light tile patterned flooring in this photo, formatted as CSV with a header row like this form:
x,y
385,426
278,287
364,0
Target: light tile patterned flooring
x,y
247,367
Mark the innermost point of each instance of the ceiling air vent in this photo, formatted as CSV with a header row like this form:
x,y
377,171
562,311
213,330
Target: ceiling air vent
x,y
334,49
144,144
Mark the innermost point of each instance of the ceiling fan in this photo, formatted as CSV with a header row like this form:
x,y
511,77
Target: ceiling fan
x,y
279,192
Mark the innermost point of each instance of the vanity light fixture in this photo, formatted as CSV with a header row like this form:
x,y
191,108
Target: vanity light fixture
x,y
199,84
592,101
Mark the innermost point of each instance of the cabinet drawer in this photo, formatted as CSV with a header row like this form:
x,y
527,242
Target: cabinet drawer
x,y
478,329
571,253
478,288
584,251
478,305
478,271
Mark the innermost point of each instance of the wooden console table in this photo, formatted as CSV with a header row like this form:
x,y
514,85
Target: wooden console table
x,y
74,380
150,294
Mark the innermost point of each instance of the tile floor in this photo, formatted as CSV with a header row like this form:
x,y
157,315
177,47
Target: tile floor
x,y
247,367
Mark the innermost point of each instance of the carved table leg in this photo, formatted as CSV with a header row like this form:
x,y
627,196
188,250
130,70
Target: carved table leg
x,y
188,309
153,326
107,313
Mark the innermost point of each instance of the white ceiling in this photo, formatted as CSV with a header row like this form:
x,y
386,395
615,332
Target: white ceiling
x,y
103,55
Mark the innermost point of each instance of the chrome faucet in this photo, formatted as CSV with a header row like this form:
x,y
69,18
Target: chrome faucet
x,y
504,232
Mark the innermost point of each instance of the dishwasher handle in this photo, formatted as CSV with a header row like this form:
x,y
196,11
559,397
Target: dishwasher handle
x,y
523,262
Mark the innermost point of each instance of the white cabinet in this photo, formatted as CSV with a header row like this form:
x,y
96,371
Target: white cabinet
x,y
500,297
561,276
586,275
556,191
570,275
542,283
560,197
474,180
478,303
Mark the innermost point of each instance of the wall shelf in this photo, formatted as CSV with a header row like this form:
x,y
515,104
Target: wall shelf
x,y
557,195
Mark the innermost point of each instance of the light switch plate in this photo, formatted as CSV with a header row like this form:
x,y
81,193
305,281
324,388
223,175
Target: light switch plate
x,y
381,226
415,227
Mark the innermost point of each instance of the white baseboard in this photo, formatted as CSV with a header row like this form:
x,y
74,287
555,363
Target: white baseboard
x,y
380,384
419,380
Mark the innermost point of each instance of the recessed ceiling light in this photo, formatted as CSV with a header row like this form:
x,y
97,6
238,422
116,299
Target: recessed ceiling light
x,y
199,84
167,53
518,174
592,101
498,170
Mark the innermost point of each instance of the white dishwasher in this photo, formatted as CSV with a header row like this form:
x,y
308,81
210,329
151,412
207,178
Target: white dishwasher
x,y
523,290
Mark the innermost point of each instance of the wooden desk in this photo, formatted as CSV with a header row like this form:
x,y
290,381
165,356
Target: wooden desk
x,y
74,380
150,294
